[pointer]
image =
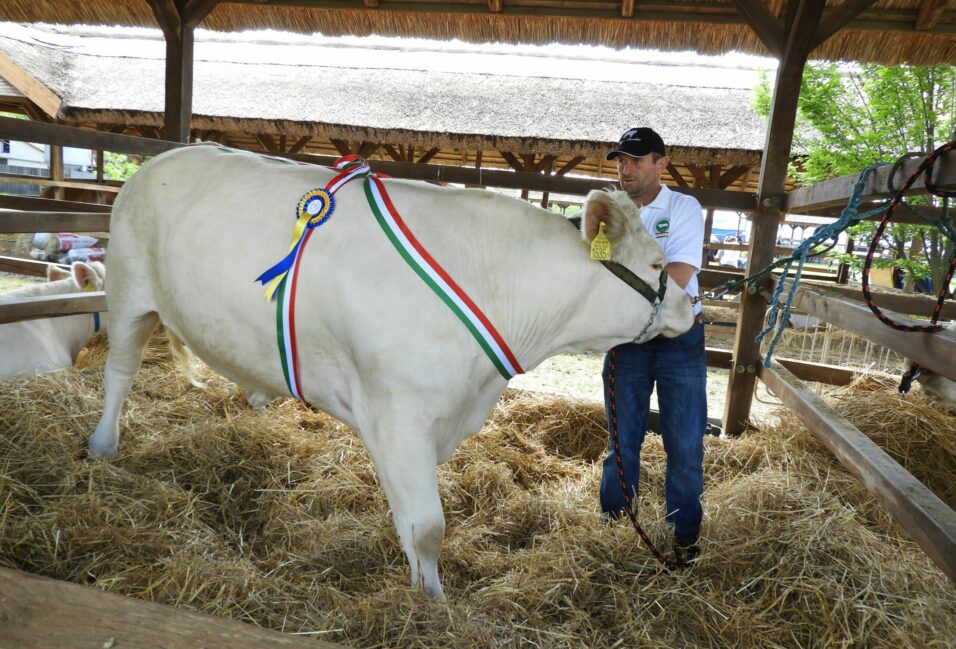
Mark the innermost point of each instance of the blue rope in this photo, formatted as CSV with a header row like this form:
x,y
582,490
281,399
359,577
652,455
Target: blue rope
x,y
848,217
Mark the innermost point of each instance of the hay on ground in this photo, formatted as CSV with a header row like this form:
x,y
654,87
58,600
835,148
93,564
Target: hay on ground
x,y
274,516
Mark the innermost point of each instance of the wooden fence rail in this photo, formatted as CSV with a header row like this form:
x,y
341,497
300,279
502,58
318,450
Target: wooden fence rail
x,y
927,519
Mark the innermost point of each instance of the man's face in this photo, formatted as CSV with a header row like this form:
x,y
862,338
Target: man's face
x,y
639,174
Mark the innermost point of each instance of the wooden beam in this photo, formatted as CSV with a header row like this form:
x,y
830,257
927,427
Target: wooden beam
x,y
195,11
371,4
836,191
512,160
44,98
909,304
926,518
758,15
428,155
31,204
56,171
800,27
46,182
930,11
342,146
43,613
700,175
838,17
569,165
732,175
52,306
42,133
495,6
167,16
719,199
804,370
19,221
268,143
26,266
300,144
934,351
627,8
676,175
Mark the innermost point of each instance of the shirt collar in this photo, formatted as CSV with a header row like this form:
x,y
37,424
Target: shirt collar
x,y
662,199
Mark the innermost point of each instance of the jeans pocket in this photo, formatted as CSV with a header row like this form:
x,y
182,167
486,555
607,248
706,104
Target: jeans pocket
x,y
693,338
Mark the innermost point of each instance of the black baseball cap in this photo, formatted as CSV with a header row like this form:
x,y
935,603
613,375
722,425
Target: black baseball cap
x,y
637,142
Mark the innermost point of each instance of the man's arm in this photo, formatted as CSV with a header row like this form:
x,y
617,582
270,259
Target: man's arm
x,y
680,272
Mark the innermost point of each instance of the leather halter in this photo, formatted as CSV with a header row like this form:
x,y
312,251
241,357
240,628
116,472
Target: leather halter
x,y
629,278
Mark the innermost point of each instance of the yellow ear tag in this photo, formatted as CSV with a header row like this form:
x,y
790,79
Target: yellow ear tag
x,y
601,245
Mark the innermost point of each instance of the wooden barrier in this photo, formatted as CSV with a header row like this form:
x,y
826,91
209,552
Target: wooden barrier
x,y
926,518
43,613
26,266
24,221
53,306
934,351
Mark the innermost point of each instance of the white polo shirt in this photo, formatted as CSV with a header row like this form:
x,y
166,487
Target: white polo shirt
x,y
676,222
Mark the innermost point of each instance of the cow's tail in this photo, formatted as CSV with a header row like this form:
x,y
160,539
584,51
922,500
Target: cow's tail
x,y
184,359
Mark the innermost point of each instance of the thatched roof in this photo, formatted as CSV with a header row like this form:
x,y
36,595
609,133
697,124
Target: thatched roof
x,y
884,33
391,94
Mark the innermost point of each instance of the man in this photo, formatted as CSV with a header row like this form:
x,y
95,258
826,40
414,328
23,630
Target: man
x,y
678,366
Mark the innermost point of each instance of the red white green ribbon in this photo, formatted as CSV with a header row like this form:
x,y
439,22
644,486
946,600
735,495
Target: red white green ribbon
x,y
438,280
314,209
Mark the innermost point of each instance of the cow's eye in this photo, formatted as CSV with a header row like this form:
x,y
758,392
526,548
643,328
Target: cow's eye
x,y
659,266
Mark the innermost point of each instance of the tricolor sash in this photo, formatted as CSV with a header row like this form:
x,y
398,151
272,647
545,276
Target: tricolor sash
x,y
314,209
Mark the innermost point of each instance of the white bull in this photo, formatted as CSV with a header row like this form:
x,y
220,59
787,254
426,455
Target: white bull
x,y
47,344
379,350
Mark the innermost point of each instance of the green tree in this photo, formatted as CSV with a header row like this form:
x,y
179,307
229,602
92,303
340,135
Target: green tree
x,y
853,115
118,166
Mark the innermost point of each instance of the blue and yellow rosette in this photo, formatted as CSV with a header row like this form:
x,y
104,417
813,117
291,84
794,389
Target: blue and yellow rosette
x,y
314,209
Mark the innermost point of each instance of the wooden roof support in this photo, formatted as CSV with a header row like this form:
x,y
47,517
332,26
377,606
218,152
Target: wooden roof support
x,y
627,8
268,143
763,22
179,37
37,93
300,144
800,28
569,165
930,12
495,6
838,17
926,518
676,175
732,175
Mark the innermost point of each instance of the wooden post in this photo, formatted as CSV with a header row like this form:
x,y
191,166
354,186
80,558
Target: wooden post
x,y
798,40
56,170
708,228
178,20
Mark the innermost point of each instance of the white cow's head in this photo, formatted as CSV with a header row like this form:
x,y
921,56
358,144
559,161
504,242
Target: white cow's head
x,y
80,278
635,249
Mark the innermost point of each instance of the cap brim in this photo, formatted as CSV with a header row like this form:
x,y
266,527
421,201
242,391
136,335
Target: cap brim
x,y
613,154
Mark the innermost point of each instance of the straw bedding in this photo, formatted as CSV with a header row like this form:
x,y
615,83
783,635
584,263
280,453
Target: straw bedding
x,y
275,517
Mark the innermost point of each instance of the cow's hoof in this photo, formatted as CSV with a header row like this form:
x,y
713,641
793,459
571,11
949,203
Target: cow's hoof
x,y
97,449
258,399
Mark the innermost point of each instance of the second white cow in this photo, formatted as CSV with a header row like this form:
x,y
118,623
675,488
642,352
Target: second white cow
x,y
47,344
378,348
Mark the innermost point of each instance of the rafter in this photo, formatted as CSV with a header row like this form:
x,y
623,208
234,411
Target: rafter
x,y
763,22
930,11
836,18
196,10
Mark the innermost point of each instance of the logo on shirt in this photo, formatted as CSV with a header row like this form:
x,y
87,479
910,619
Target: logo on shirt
x,y
662,228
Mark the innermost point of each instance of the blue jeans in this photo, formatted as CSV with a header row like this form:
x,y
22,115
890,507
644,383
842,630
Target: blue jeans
x,y
679,368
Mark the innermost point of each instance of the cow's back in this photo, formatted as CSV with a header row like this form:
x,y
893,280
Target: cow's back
x,y
195,227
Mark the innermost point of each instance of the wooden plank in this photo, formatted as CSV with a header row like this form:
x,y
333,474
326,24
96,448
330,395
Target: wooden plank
x,y
20,221
52,306
35,204
46,182
926,518
716,198
32,89
906,303
800,28
935,351
804,370
837,191
23,130
26,266
42,613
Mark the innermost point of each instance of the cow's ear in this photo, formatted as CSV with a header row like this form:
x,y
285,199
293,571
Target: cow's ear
x,y
54,273
599,207
84,276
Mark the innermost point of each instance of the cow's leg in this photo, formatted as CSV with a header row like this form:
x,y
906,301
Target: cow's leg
x,y
128,336
406,464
